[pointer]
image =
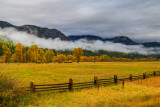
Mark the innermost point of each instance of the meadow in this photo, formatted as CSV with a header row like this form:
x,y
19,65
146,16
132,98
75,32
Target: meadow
x,y
136,93
79,72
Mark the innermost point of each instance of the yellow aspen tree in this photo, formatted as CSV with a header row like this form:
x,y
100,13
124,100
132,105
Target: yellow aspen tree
x,y
84,59
91,59
19,53
28,55
61,58
96,59
49,55
6,53
78,52
13,57
42,55
35,54
69,57
105,58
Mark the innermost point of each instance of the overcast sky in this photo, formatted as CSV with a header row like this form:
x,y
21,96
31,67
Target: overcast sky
x,y
137,19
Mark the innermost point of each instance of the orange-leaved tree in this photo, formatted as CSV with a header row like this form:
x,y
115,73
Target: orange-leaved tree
x,y
61,58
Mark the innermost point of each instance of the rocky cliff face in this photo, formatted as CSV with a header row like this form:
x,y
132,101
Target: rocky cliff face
x,y
37,31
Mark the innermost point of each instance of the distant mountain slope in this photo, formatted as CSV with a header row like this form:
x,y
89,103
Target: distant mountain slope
x,y
151,44
119,39
54,33
123,39
87,37
37,31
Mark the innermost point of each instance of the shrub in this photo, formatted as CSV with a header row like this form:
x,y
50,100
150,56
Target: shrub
x,y
7,83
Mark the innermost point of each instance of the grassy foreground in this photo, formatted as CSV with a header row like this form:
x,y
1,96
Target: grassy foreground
x,y
137,93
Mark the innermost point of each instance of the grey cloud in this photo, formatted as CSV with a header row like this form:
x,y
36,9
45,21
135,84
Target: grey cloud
x,y
137,19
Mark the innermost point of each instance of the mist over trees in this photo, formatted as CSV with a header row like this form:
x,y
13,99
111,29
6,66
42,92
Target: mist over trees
x,y
18,53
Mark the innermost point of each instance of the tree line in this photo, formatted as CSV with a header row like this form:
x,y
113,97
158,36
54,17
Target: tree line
x,y
36,55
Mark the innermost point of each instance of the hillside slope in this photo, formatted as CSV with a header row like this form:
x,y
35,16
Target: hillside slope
x,y
37,31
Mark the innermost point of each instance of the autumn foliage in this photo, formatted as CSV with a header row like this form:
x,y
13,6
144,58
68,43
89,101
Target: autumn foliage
x,y
35,55
77,52
6,53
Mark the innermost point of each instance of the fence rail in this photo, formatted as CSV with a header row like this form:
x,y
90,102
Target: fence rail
x,y
70,86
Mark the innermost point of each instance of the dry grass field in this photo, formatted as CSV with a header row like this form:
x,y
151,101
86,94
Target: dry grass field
x,y
137,93
81,72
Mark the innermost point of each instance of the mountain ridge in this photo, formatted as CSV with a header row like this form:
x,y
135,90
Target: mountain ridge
x,y
44,32
118,39
36,30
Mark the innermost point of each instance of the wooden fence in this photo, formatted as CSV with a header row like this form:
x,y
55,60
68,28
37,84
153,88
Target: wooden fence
x,y
70,86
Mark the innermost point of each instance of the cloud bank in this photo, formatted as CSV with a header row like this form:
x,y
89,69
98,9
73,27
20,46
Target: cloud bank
x,y
29,40
137,19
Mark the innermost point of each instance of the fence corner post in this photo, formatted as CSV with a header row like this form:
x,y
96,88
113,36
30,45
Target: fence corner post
x,y
32,87
115,79
70,84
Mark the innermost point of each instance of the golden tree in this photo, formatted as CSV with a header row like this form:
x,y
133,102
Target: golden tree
x,y
35,53
84,59
6,53
69,57
61,58
42,55
19,53
49,55
28,55
91,59
105,58
78,52
96,59
13,57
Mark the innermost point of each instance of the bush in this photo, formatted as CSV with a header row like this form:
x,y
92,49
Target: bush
x,y
7,83
8,86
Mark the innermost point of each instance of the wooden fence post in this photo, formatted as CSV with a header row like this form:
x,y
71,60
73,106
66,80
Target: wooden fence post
x,y
96,82
70,84
32,87
154,73
144,75
130,77
123,84
115,79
